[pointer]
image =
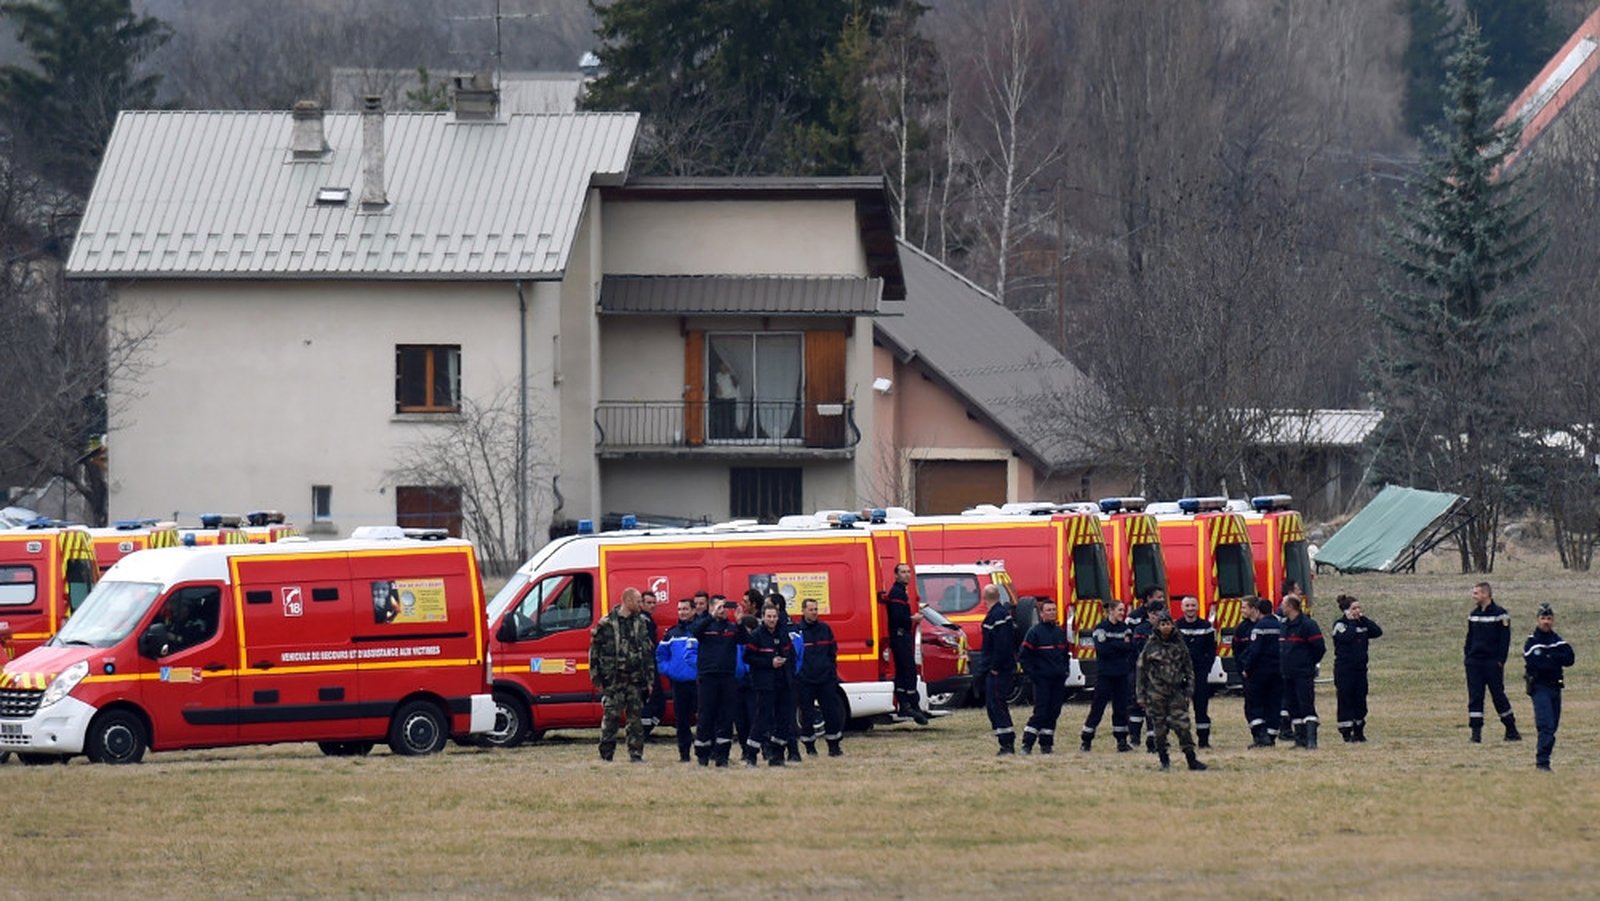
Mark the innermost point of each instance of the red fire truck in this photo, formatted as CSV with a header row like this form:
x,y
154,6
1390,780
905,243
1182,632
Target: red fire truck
x,y
44,576
540,620
267,526
127,536
1133,554
1278,544
215,529
344,643
1206,549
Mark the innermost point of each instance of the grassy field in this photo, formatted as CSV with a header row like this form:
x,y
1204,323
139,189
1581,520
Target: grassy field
x,y
1416,811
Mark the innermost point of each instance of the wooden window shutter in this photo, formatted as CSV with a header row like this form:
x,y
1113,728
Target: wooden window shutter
x,y
825,384
694,388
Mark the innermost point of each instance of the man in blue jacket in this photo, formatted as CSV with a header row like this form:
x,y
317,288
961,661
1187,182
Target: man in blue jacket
x,y
678,659
1544,656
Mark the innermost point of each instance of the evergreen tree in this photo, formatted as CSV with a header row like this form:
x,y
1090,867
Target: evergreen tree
x,y
1456,329
85,69
1519,38
1423,63
736,86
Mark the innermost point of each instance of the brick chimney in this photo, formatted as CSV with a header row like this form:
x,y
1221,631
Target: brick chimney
x,y
373,195
475,98
306,140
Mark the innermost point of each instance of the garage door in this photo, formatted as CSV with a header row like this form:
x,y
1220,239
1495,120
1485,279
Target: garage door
x,y
950,486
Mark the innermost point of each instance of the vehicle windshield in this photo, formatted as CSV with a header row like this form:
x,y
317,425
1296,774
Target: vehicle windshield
x,y
1236,571
948,593
502,600
108,614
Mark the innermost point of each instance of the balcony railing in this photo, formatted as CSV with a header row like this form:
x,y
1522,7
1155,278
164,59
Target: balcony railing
x,y
725,424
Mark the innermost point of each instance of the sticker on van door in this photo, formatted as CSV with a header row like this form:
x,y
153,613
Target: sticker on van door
x,y
292,601
409,601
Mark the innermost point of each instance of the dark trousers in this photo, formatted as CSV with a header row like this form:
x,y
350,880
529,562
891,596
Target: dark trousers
x,y
1113,690
1546,718
1263,697
717,701
763,717
1350,686
1486,674
808,697
655,706
903,651
743,709
685,701
997,701
783,712
1048,693
1300,698
1202,700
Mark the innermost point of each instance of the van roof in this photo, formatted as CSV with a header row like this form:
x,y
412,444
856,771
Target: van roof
x,y
171,565
584,550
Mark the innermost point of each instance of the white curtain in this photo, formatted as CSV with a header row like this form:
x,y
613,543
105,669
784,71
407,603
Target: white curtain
x,y
778,363
736,351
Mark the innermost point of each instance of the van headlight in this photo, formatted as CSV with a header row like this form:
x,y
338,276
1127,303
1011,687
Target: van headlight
x,y
63,684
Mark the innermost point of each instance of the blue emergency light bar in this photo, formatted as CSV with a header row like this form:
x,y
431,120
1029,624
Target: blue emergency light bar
x,y
585,527
629,521
1201,504
1265,502
211,520
847,520
879,515
1120,504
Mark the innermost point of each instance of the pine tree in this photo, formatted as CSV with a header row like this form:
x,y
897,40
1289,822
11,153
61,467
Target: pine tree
x,y
1456,327
85,69
1423,62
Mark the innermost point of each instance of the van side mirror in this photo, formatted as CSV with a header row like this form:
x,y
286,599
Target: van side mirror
x,y
507,633
153,640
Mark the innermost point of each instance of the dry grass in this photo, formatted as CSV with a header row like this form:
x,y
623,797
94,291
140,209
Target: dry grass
x,y
1417,811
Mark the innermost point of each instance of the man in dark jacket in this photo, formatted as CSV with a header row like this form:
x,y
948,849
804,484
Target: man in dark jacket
x,y
769,654
678,660
1301,648
1248,614
999,666
902,645
817,681
1044,655
1114,663
1545,656
1263,684
1200,636
622,664
1484,653
1351,633
720,636
1166,681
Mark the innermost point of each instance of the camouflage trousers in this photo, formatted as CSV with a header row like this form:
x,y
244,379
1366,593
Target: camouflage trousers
x,y
1169,713
622,703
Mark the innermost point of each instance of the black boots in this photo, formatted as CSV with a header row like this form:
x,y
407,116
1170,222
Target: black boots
x,y
1135,729
1258,737
1122,745
1511,728
794,751
1204,736
1086,742
1166,762
811,748
1047,744
1194,762
834,750
914,710
1477,731
749,756
1299,735
1028,738
1310,728
683,753
1348,733
1360,730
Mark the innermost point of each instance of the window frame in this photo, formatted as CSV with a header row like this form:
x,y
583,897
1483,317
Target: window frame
x,y
430,377
324,494
34,582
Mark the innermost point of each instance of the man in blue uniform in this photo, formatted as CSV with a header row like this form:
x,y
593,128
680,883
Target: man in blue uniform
x,y
678,660
720,636
817,681
1544,656
1201,638
1301,647
1045,650
1484,653
1263,684
999,666
902,647
1351,633
1114,662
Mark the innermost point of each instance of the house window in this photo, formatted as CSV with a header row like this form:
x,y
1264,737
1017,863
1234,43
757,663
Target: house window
x,y
427,378
755,384
428,507
321,503
763,493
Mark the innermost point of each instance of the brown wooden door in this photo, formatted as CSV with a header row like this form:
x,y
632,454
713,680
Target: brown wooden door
x,y
428,507
825,385
946,487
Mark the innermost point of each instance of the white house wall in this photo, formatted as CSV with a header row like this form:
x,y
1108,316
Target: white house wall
x,y
580,368
304,394
699,489
746,237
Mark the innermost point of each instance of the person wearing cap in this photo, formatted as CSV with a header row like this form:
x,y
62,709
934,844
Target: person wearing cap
x,y
1044,655
1201,638
1300,648
1545,655
1114,659
999,665
1484,654
1165,684
1351,632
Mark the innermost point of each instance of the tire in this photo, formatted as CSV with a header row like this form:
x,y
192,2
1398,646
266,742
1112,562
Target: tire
x,y
117,737
346,748
513,722
419,728
5,756
40,759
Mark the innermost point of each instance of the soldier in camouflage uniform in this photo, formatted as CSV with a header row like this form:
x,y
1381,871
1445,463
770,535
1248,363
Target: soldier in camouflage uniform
x,y
622,664
1166,681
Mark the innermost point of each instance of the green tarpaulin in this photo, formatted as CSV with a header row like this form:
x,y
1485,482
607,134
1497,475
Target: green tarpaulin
x,y
1378,537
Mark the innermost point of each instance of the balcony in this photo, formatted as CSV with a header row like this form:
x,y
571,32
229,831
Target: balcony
x,y
726,429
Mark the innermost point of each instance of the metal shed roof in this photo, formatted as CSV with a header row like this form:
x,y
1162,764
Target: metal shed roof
x,y
777,295
218,195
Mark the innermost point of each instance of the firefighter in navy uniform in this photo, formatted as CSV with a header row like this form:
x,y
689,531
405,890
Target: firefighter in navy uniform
x,y
770,655
1301,647
1045,650
999,666
1263,682
1201,638
1484,654
1139,620
1544,656
902,646
719,638
1115,657
1248,614
1351,633
817,682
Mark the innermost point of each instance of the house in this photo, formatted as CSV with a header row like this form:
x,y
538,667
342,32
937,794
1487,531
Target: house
x,y
960,384
350,309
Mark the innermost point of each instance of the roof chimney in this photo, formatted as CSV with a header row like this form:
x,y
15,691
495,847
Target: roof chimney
x,y
306,140
476,99
373,196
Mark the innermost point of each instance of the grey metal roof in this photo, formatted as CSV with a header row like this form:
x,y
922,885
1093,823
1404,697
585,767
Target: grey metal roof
x,y
1003,369
777,295
217,194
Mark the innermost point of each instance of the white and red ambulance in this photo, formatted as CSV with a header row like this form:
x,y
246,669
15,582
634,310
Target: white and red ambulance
x,y
541,620
344,643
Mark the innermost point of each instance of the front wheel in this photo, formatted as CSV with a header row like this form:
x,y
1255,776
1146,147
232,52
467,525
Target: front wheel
x,y
117,737
512,722
419,728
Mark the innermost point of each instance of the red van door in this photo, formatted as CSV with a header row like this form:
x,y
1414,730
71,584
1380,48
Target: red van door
x,y
542,643
190,686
